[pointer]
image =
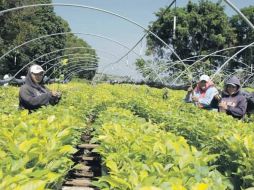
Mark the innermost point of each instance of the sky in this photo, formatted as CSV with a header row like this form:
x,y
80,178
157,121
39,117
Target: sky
x,y
92,23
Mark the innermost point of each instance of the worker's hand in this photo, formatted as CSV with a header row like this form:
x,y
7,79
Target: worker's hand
x,y
217,97
190,89
223,105
55,97
195,99
56,94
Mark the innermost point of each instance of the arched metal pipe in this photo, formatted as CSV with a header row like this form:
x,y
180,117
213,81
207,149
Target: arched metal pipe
x,y
75,72
58,68
43,55
222,56
54,65
172,64
75,65
231,59
246,80
82,58
61,66
240,13
74,54
73,58
218,51
75,68
227,76
126,54
78,66
71,48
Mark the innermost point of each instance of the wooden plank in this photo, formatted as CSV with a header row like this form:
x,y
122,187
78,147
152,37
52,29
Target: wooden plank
x,y
85,168
77,188
89,158
84,174
81,182
88,146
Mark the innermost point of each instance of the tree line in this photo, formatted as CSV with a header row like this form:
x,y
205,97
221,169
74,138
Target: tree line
x,y
22,25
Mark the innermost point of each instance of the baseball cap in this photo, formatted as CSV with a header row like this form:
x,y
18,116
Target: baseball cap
x,y
204,77
36,69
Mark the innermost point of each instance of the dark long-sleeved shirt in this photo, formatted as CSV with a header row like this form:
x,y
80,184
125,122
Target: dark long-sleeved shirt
x,y
32,96
237,104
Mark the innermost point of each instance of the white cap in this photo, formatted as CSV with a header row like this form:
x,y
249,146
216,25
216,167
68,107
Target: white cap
x,y
204,77
36,69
